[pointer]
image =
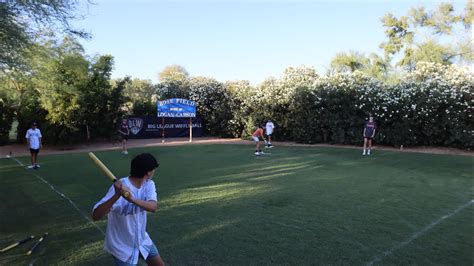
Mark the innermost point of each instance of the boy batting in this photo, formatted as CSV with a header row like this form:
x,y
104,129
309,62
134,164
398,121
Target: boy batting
x,y
126,238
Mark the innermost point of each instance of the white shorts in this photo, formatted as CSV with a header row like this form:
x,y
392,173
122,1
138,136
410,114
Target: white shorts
x,y
269,132
255,139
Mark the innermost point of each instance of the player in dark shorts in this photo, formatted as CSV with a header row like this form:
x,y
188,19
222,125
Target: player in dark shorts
x,y
124,132
369,133
33,138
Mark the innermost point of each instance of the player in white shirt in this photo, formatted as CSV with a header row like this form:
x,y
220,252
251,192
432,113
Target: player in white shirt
x,y
33,138
269,131
126,238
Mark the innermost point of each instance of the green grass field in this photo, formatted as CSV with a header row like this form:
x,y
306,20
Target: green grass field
x,y
221,205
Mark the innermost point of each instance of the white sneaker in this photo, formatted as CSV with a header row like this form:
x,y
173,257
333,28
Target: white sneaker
x,y
368,153
363,153
257,153
37,165
31,166
124,152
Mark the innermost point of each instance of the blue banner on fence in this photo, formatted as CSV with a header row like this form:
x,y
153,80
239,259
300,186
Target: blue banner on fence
x,y
176,108
143,127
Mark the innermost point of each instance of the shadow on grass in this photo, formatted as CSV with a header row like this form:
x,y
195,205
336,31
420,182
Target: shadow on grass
x,y
297,206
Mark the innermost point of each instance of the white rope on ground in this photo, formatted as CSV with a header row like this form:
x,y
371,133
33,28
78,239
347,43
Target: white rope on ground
x,y
419,233
62,195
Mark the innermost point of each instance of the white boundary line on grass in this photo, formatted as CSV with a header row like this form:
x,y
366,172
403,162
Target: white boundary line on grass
x,y
62,195
419,233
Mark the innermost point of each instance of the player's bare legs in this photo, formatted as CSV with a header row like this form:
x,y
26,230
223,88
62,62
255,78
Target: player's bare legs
x,y
124,146
365,146
155,261
370,146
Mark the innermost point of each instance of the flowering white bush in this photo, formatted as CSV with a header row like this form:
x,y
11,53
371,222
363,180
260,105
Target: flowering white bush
x,y
212,104
241,100
429,106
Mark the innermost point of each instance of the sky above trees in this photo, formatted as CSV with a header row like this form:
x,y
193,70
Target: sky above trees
x,y
250,40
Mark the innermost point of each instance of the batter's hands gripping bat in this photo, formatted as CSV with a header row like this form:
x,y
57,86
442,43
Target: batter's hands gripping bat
x,y
104,168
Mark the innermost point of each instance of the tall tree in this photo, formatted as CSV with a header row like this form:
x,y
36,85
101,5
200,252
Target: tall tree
x,y
437,36
174,82
374,65
20,87
65,91
140,90
173,73
141,97
101,103
468,16
6,113
22,21
349,62
212,105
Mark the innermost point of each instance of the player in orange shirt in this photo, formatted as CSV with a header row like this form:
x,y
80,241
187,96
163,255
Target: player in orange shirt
x,y
257,136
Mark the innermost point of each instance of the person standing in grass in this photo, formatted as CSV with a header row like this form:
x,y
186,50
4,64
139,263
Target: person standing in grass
x,y
256,137
369,133
269,131
33,138
126,238
124,132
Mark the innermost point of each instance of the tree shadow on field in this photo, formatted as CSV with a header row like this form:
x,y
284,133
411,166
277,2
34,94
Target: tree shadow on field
x,y
223,218
296,210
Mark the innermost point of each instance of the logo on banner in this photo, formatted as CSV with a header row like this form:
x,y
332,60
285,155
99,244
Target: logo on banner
x,y
135,125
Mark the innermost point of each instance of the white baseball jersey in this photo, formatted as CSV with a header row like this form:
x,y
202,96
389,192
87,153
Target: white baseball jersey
x,y
269,127
126,235
33,136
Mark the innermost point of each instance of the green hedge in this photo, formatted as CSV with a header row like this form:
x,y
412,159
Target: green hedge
x,y
429,106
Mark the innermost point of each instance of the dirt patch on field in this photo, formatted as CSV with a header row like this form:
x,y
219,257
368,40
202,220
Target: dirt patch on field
x,y
21,150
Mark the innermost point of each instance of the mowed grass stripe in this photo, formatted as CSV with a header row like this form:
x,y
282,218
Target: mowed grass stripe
x,y
62,195
334,193
31,207
219,204
420,233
